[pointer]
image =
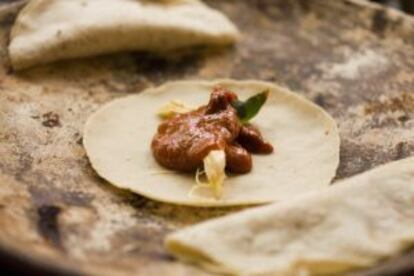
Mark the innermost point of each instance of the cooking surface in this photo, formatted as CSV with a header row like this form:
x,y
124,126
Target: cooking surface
x,y
356,60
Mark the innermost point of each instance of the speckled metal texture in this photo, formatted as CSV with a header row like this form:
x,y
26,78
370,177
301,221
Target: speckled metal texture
x,y
352,58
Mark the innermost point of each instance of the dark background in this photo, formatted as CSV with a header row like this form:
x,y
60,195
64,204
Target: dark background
x,y
406,5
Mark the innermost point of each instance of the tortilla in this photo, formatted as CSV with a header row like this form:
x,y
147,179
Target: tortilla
x,y
51,30
353,224
117,139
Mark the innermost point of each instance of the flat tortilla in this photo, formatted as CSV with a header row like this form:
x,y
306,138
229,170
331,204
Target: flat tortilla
x,y
51,30
353,224
118,136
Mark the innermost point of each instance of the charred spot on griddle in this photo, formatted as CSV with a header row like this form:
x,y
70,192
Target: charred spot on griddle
x,y
379,22
46,195
178,64
78,138
305,5
320,100
48,225
403,118
7,20
160,256
51,119
402,150
136,201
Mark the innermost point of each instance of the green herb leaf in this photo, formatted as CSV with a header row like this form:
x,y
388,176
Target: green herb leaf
x,y
246,110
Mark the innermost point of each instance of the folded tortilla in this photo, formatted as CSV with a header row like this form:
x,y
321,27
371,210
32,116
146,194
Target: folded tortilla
x,y
353,224
51,30
117,139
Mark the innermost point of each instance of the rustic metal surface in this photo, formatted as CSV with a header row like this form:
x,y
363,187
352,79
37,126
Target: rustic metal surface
x,y
354,59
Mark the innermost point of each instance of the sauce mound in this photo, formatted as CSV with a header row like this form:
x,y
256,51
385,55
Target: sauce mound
x,y
183,141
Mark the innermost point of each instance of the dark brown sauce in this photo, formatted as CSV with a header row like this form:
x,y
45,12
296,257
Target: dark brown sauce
x,y
182,142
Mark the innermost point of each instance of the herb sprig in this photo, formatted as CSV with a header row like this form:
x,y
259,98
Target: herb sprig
x,y
249,108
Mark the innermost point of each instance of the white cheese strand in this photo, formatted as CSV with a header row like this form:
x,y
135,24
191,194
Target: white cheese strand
x,y
214,167
214,170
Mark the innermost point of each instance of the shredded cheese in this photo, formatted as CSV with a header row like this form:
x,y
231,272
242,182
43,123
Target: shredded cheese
x,y
172,108
195,190
214,170
214,166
